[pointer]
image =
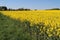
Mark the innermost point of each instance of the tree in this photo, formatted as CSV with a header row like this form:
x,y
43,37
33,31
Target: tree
x,y
53,9
3,8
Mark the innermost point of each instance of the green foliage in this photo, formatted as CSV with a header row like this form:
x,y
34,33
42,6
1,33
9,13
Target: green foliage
x,y
11,29
3,8
22,9
54,9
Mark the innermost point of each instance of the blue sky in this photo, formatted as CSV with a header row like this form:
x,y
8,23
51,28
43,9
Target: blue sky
x,y
32,4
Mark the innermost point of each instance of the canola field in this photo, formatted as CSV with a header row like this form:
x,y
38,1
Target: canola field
x,y
52,17
49,17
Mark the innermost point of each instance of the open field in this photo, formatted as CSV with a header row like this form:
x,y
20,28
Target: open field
x,y
41,22
47,17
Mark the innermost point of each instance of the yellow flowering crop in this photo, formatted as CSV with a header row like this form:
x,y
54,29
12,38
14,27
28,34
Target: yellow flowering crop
x,y
47,17
51,17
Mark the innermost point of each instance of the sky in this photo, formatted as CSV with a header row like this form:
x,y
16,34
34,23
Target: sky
x,y
32,4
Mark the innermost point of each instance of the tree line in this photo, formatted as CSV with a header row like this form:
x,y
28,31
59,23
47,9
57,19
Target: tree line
x,y
4,8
